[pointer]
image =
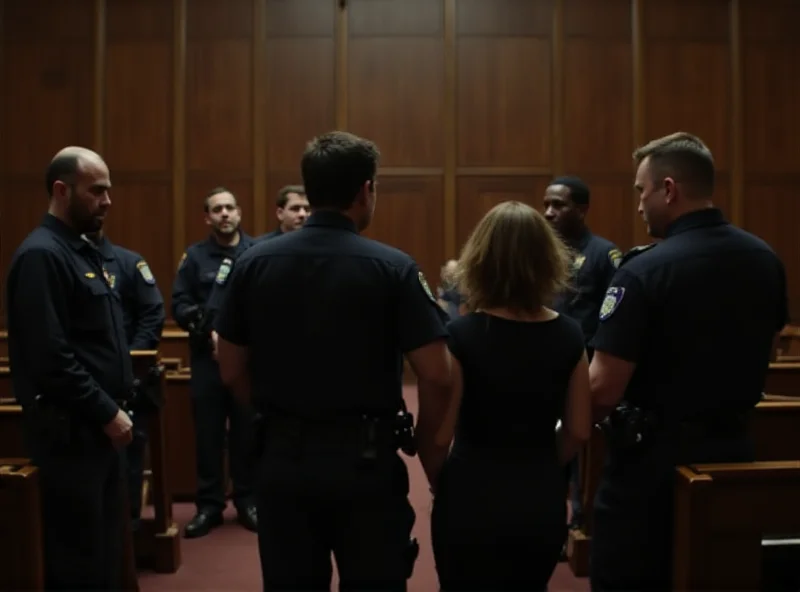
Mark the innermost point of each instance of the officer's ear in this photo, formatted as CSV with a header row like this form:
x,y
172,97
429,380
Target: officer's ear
x,y
670,189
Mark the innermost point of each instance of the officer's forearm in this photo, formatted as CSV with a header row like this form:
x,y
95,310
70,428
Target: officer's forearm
x,y
148,332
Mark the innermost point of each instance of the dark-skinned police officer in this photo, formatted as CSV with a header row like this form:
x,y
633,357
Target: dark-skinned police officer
x,y
71,372
681,354
205,263
330,478
566,204
143,315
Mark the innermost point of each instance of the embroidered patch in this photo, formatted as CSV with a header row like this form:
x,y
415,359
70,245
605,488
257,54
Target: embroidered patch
x,y
578,262
424,283
144,269
615,256
183,258
223,271
611,302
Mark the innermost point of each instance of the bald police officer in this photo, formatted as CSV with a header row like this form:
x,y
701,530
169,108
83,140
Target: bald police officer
x,y
331,479
71,372
686,333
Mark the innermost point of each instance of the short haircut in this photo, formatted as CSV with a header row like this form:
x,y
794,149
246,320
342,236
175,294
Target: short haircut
x,y
212,193
283,194
62,168
578,190
683,157
513,259
335,167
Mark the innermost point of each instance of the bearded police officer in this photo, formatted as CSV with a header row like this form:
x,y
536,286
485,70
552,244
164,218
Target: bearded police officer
x,y
686,333
71,372
330,478
205,264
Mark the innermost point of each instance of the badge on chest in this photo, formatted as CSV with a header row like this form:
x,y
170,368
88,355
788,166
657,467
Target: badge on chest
x,y
224,271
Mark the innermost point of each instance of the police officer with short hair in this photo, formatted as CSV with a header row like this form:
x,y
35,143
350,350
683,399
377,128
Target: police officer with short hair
x,y
595,261
330,478
143,316
71,372
686,332
291,209
205,264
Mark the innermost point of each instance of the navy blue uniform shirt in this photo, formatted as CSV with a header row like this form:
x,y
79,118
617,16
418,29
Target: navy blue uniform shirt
x,y
203,264
593,267
142,303
697,313
66,337
346,307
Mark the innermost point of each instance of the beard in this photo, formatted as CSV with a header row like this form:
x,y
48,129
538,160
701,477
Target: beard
x,y
83,220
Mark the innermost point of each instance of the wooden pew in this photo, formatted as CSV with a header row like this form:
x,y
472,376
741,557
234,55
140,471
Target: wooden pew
x,y
773,429
179,444
21,557
722,513
783,378
157,542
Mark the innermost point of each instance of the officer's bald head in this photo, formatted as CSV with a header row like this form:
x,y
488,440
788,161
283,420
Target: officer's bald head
x,y
68,163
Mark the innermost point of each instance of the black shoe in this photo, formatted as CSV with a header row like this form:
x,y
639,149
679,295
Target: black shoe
x,y
248,517
202,523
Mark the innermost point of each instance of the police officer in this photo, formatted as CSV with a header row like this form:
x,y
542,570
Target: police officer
x,y
292,210
204,264
72,374
681,355
595,260
331,479
143,313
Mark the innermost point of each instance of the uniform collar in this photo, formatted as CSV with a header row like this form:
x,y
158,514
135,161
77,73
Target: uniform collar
x,y
213,245
331,219
67,233
697,219
106,249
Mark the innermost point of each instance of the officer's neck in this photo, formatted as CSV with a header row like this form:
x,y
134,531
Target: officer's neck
x,y
60,214
228,240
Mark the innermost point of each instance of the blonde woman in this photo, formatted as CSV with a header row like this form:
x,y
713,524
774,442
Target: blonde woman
x,y
499,513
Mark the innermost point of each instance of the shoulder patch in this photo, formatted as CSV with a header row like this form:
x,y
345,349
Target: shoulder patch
x,y
425,287
611,302
615,256
183,258
144,269
224,271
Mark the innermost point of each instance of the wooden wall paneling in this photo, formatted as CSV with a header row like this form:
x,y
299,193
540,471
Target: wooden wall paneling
x,y
301,73
771,131
179,52
639,108
450,205
597,127
134,116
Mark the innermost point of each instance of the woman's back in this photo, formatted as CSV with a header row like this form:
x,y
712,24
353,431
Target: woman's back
x,y
515,380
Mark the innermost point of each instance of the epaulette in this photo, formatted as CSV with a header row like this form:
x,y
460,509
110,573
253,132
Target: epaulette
x,y
636,251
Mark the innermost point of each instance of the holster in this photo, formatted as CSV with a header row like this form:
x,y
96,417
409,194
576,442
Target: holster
x,y
147,397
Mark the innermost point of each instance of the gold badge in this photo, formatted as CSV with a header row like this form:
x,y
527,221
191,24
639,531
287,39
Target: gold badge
x,y
107,276
424,283
578,262
615,256
183,258
147,275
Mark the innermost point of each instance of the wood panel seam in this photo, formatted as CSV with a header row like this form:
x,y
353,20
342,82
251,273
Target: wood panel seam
x,y
99,75
341,60
179,130
557,90
737,123
260,135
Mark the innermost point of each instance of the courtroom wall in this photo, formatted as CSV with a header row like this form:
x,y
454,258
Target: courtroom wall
x,y
472,102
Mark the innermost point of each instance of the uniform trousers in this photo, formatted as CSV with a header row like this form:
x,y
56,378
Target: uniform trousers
x,y
82,488
214,407
633,509
314,500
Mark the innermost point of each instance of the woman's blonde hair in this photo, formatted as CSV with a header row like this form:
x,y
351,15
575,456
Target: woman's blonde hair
x,y
513,259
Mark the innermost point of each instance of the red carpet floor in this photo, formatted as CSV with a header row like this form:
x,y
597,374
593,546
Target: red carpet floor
x,y
227,559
